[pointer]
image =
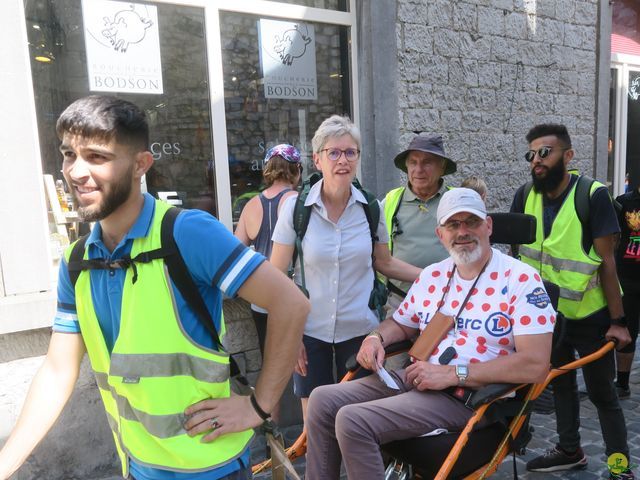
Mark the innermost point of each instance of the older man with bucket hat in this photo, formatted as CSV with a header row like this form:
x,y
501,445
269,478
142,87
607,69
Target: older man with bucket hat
x,y
410,212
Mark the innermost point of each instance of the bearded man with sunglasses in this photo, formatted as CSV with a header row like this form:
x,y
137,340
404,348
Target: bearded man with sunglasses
x,y
580,260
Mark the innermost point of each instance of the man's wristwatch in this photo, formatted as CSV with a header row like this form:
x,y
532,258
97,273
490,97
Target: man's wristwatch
x,y
462,372
376,333
620,321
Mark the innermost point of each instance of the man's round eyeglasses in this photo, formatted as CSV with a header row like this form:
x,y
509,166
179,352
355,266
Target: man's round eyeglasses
x,y
542,152
334,154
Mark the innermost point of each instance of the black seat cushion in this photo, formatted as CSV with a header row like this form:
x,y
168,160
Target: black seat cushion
x,y
427,454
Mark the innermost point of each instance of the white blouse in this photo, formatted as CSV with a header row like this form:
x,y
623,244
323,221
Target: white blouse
x,y
337,264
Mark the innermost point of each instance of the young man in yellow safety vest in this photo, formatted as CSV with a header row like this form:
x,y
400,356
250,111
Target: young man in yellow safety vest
x,y
162,375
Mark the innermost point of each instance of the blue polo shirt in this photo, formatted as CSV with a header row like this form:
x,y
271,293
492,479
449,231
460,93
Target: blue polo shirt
x,y
219,265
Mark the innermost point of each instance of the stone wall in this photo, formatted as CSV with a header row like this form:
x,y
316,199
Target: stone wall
x,y
482,72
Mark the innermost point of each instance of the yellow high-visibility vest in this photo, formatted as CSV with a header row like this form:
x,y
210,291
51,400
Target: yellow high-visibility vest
x,y
155,370
560,257
391,202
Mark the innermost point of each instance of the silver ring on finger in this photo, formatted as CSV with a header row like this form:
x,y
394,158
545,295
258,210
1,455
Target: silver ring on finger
x,y
213,423
416,381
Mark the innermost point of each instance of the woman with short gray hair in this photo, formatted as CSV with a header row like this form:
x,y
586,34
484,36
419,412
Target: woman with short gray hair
x,y
337,258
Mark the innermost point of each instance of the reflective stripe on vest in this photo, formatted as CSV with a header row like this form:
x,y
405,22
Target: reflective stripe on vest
x,y
560,258
155,371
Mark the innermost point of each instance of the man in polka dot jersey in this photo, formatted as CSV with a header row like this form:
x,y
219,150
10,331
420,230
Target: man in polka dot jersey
x,y
502,333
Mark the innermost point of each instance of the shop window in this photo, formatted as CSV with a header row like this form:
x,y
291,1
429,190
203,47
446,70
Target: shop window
x,y
178,108
272,96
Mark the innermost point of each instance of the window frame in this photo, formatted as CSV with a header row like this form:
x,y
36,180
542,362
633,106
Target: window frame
x,y
624,64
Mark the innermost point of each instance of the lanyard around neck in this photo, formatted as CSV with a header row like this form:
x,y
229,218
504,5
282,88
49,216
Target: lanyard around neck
x,y
466,299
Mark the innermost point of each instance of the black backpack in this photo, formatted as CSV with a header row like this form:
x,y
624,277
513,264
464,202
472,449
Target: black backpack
x,y
176,266
301,216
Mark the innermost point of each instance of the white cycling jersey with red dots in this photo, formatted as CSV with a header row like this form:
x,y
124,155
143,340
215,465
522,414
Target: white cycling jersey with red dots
x,y
509,299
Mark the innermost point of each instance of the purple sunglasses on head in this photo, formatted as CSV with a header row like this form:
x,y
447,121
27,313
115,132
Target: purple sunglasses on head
x,y
284,150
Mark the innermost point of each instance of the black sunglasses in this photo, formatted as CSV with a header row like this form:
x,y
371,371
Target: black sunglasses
x,y
543,152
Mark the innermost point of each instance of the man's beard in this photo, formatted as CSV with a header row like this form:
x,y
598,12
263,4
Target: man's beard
x,y
552,180
117,195
462,255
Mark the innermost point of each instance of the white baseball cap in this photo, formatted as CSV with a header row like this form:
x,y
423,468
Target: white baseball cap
x,y
459,200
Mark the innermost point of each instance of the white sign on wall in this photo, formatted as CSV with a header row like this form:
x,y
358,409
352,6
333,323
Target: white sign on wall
x,y
123,47
288,60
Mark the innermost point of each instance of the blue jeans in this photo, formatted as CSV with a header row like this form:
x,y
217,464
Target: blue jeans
x,y
320,363
586,336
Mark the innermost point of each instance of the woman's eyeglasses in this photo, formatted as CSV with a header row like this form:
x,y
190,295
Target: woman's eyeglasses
x,y
542,152
334,154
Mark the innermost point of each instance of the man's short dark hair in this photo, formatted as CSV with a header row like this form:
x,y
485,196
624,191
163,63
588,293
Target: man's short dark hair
x,y
106,118
546,129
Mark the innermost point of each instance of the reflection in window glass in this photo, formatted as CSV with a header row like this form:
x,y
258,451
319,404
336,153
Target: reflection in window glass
x,y
632,172
342,5
256,123
179,119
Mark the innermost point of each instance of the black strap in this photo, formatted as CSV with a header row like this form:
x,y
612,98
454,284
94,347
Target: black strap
x,y
74,264
181,277
178,273
394,289
185,284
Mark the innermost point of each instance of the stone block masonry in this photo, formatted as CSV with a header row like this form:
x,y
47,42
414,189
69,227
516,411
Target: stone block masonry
x,y
482,72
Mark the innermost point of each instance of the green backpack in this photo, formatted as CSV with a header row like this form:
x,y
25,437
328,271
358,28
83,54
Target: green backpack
x,y
301,216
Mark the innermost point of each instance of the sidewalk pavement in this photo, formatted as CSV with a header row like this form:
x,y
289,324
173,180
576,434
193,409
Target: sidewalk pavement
x,y
544,437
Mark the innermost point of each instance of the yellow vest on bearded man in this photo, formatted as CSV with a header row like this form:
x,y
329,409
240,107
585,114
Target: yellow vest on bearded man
x,y
560,257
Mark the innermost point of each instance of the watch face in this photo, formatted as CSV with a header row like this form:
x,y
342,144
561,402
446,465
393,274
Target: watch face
x,y
462,370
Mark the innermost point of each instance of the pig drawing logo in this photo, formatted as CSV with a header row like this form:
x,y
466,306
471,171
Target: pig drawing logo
x,y
126,27
291,45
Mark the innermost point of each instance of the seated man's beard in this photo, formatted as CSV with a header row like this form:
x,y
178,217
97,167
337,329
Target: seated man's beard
x,y
464,256
551,180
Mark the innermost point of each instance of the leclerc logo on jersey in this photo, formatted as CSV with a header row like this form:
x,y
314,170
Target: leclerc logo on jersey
x,y
497,324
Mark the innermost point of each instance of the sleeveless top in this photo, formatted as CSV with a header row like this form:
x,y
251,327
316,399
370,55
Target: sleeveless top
x,y
262,243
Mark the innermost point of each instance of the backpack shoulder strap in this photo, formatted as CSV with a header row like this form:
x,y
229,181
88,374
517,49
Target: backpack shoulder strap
x,y
301,216
371,211
525,193
180,274
302,213
583,199
74,264
520,202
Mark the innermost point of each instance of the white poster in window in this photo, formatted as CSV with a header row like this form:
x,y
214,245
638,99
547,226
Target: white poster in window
x,y
288,59
123,47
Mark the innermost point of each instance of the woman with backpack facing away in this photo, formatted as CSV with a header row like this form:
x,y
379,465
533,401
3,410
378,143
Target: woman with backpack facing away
x,y
281,172
341,250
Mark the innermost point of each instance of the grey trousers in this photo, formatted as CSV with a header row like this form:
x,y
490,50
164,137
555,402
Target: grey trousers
x,y
349,421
